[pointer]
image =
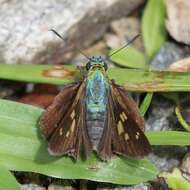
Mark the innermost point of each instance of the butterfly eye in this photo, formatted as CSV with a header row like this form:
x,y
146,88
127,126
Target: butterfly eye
x,y
88,66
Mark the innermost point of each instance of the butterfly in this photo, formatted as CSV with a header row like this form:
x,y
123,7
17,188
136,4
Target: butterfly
x,y
95,114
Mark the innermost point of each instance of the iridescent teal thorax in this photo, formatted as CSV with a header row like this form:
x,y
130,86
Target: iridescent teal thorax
x,y
97,89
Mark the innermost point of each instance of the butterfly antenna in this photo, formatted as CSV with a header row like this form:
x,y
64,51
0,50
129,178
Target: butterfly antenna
x,y
56,33
131,41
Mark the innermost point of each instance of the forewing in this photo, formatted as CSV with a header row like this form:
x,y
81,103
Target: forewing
x,y
58,109
67,133
67,138
127,125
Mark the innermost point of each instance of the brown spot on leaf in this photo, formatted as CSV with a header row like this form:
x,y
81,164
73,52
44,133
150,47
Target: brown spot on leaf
x,y
147,87
160,75
94,168
58,72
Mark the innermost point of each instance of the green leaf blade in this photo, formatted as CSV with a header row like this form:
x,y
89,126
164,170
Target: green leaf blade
x,y
129,57
32,73
131,79
23,149
153,26
154,81
175,179
7,181
26,151
169,138
146,103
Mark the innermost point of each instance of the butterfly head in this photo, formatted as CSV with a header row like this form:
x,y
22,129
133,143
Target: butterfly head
x,y
96,63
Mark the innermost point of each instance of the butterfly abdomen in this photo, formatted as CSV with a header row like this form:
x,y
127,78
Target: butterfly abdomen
x,y
97,89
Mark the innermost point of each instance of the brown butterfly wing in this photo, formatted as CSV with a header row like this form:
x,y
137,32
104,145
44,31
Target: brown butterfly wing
x,y
67,127
56,111
128,125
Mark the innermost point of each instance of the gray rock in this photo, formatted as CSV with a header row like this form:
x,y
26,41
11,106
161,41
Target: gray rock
x,y
177,23
167,157
161,115
60,187
142,186
24,25
32,187
168,54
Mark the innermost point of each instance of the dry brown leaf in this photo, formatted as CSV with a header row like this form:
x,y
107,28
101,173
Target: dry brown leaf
x,y
42,96
178,22
180,66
